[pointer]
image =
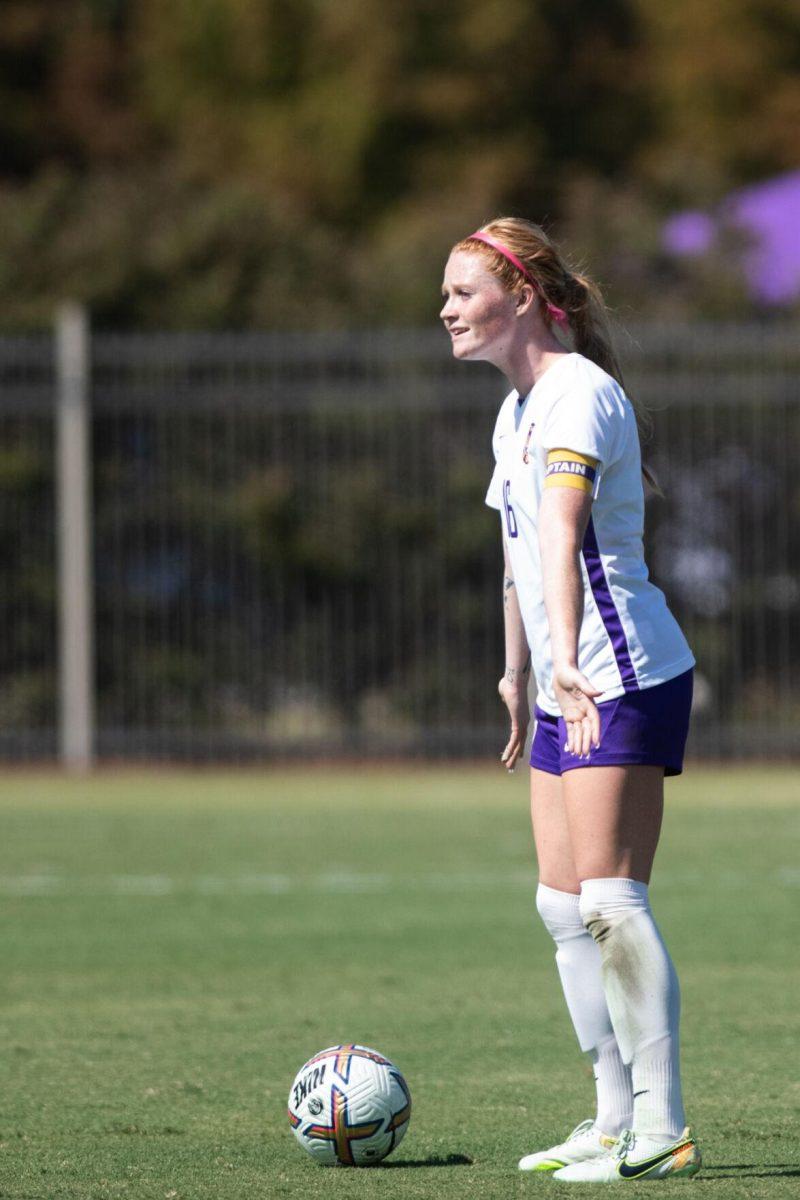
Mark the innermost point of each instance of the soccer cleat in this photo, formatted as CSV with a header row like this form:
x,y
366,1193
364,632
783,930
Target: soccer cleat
x,y
638,1158
585,1143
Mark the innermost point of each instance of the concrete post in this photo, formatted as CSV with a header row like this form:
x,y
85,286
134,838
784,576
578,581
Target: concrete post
x,y
74,532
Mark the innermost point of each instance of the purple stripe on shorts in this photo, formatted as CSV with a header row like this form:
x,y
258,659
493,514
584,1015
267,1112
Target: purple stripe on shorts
x,y
608,609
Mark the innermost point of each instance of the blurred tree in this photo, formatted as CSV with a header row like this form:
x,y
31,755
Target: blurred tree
x,y
252,162
724,80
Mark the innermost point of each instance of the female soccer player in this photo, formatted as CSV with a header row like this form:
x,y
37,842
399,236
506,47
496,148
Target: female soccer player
x,y
614,679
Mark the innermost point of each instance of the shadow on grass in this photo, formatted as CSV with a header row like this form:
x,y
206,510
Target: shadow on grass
x,y
451,1160
751,1170
713,1171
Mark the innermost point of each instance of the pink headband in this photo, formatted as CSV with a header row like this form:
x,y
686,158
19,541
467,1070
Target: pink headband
x,y
557,314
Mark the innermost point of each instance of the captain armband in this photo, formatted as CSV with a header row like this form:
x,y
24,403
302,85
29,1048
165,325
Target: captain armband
x,y
565,468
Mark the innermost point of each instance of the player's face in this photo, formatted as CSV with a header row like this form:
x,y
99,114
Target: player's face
x,y
478,312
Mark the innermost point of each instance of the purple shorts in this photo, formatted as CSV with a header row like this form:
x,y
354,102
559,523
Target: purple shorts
x,y
647,728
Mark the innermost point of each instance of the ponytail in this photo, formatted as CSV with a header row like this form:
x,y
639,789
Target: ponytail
x,y
588,318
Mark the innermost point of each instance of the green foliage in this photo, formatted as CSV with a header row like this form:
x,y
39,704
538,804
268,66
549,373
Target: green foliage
x,y
257,163
27,684
351,537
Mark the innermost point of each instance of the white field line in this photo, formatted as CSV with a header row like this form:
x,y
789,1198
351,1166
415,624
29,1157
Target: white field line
x,y
341,882
256,884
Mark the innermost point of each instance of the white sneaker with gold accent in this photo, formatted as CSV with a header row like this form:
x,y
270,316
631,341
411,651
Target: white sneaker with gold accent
x,y
638,1157
585,1143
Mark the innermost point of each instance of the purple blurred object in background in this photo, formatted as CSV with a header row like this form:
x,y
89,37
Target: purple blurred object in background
x,y
769,213
689,233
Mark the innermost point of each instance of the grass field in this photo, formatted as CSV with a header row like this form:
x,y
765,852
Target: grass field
x,y
174,946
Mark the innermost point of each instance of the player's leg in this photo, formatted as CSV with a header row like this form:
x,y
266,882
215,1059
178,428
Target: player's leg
x,y
577,956
579,967
614,816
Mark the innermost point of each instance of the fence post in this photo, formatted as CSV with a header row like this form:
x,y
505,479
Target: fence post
x,y
73,521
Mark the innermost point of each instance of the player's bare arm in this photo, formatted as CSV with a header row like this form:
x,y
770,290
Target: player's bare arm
x,y
563,517
513,687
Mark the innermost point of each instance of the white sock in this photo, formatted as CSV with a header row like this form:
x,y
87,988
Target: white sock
x,y
579,966
612,1079
641,988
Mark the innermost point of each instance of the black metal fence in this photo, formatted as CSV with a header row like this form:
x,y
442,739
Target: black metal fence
x,y
292,555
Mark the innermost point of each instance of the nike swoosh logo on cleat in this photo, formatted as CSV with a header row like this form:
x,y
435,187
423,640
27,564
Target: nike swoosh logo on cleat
x,y
632,1170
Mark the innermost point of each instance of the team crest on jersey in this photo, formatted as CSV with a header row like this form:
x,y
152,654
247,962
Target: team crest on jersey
x,y
525,455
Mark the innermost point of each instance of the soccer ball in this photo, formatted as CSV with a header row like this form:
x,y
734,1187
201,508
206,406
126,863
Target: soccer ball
x,y
349,1105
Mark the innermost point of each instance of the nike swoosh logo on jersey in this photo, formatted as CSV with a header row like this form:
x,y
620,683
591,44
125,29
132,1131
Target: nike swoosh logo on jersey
x,y
632,1170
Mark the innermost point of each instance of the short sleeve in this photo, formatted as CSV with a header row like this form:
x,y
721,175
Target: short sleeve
x,y
494,496
586,420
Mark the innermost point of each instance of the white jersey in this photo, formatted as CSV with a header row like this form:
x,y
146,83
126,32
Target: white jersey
x,y
629,639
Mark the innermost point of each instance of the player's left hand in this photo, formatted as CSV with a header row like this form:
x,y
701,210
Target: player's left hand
x,y
515,698
575,695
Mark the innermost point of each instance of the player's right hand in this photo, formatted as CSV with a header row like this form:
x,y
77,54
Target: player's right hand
x,y
515,698
576,698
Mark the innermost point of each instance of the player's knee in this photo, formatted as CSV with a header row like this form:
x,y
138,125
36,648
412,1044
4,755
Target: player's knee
x,y
596,918
560,913
605,904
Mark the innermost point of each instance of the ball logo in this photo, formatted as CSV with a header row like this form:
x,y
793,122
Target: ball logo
x,y
311,1080
315,1106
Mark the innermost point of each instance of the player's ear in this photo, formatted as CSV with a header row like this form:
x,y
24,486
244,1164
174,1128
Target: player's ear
x,y
525,298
